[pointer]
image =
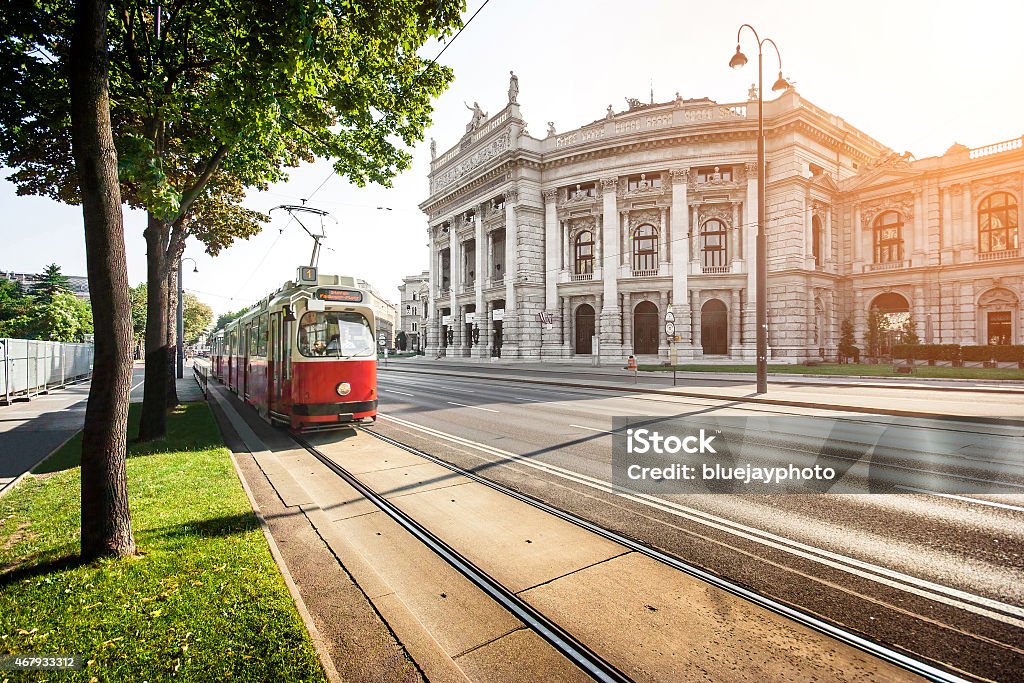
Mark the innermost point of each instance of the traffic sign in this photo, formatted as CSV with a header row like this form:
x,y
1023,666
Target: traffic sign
x,y
670,317
382,340
670,328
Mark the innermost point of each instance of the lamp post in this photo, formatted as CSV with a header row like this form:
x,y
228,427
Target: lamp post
x,y
181,316
761,258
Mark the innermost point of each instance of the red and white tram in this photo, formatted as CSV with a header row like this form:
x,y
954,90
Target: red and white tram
x,y
305,355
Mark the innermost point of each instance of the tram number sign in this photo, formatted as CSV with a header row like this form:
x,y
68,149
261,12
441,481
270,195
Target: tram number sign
x,y
307,275
347,296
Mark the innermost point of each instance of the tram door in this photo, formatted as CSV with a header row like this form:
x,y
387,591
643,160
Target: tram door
x,y
246,344
275,373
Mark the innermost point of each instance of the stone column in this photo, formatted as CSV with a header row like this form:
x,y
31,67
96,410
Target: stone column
x,y
810,315
611,339
625,253
750,203
734,323
947,226
918,256
665,341
482,348
967,238
664,239
855,234
698,349
430,305
567,327
455,262
490,256
551,338
735,257
828,235
567,256
680,217
695,238
808,231
510,323
627,325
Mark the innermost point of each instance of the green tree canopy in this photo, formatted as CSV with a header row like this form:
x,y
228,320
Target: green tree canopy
x,y
196,316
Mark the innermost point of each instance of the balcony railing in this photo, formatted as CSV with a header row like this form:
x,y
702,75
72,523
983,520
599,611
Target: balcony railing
x,y
998,255
1004,146
581,277
644,273
715,270
889,265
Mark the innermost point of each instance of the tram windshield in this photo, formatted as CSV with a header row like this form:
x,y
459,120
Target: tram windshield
x,y
335,334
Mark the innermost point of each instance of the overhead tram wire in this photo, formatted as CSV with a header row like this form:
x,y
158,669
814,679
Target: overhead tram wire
x,y
414,82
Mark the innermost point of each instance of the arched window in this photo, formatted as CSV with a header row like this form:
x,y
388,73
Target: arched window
x,y
645,248
816,241
585,253
713,244
889,238
997,223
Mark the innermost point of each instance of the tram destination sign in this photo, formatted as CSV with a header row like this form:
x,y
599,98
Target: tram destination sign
x,y
348,296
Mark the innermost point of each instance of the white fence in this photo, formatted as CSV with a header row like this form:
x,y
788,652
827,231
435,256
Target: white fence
x,y
29,367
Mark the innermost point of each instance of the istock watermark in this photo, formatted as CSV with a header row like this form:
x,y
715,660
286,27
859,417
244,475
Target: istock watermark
x,y
797,454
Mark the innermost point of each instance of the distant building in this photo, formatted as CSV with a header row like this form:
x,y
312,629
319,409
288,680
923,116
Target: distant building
x,y
415,291
383,311
79,285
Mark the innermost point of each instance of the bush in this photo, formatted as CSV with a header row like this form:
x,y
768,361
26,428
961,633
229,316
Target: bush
x,y
928,352
976,353
1008,354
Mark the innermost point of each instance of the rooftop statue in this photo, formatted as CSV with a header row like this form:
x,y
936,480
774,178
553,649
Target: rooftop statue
x,y
433,148
479,116
513,87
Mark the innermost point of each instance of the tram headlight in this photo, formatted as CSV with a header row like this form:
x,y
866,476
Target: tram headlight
x,y
343,389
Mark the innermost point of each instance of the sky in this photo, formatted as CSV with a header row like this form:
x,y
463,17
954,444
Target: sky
x,y
917,75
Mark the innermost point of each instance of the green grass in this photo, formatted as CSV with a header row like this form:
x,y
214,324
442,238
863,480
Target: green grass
x,y
203,600
879,370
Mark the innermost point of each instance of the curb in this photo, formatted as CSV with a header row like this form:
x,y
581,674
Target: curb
x,y
1011,422
14,482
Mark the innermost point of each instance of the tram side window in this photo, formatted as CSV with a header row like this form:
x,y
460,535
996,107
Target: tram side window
x,y
335,334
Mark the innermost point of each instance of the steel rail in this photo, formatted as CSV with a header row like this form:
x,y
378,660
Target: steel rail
x,y
923,669
575,651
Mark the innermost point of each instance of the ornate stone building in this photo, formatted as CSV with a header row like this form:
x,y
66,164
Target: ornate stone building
x,y
580,242
415,291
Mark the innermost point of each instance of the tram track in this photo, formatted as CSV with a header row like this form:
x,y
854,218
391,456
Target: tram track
x,y
561,639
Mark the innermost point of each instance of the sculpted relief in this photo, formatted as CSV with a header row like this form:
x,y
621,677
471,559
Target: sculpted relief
x,y
481,156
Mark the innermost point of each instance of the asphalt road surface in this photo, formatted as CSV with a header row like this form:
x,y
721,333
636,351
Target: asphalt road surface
x,y
940,576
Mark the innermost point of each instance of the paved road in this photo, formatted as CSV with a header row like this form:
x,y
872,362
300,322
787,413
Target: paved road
x,y
941,577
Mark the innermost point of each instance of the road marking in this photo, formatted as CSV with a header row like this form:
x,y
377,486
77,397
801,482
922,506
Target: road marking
x,y
453,403
396,391
987,607
593,429
966,499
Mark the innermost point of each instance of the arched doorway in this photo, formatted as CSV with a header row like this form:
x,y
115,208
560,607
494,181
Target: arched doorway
x,y
714,328
893,312
584,329
645,328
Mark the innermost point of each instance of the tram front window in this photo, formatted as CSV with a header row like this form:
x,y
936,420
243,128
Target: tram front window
x,y
335,334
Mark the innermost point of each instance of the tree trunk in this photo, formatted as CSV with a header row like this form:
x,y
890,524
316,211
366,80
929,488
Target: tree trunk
x,y
153,424
106,522
172,336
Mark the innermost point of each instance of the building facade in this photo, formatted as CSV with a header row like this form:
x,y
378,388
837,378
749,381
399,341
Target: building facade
x,y
79,285
384,313
580,243
412,310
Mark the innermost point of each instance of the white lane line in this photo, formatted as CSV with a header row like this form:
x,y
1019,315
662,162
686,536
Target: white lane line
x,y
453,403
987,607
396,391
593,429
966,499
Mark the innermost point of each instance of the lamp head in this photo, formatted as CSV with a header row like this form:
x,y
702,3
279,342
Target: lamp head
x,y
195,269
738,59
781,84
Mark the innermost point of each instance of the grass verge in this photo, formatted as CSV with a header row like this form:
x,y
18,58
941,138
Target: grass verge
x,y
202,601
879,370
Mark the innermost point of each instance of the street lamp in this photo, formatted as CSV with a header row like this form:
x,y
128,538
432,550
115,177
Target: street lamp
x,y
761,260
181,316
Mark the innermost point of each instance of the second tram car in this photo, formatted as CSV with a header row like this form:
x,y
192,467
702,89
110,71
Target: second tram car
x,y
304,356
